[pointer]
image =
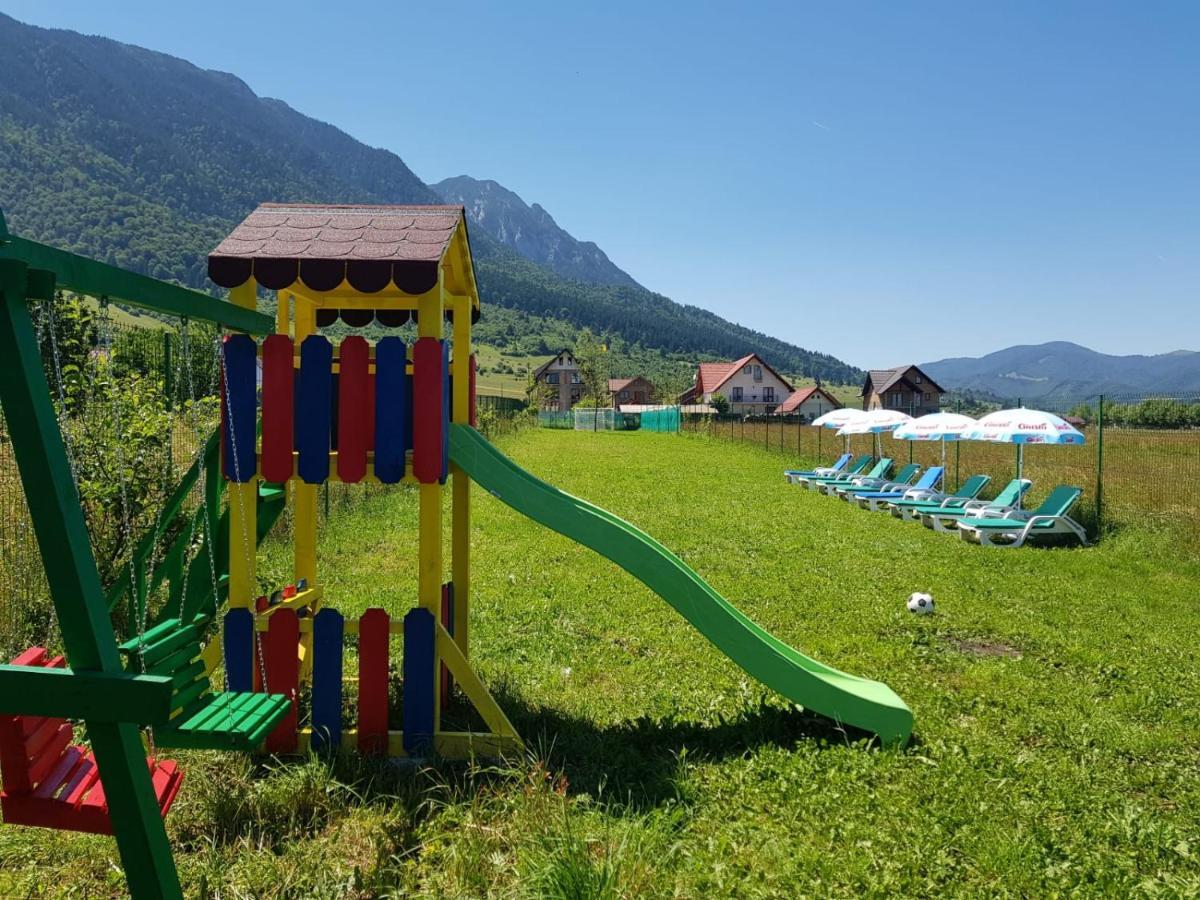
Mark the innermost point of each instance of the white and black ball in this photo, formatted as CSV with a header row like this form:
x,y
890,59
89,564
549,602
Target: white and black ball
x,y
921,604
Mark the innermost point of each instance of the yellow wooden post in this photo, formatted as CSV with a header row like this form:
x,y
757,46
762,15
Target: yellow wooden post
x,y
283,312
243,510
304,496
460,412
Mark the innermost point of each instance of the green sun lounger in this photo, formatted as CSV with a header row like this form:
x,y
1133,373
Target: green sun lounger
x,y
878,472
902,479
1015,528
946,520
852,471
910,510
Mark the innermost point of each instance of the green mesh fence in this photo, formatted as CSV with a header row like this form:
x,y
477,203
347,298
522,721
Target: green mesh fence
x,y
1140,464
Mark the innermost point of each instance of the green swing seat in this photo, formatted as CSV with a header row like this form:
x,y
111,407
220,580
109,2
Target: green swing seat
x,y
201,718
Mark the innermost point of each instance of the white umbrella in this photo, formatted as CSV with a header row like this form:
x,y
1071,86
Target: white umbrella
x,y
836,418
1024,426
876,421
940,426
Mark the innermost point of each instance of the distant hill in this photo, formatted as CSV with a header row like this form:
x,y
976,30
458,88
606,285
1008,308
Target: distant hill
x,y
1060,368
530,230
146,161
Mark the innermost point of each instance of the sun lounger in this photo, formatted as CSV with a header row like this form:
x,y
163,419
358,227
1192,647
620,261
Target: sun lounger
x,y
793,475
829,485
856,468
945,519
1015,528
910,510
901,479
925,488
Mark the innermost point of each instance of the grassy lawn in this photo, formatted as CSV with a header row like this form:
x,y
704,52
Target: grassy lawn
x,y
1057,743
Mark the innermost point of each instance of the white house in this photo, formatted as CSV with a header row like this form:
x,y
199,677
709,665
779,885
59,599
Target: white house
x,y
808,403
750,385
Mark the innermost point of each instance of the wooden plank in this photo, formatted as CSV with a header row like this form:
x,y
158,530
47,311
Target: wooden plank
x,y
328,630
373,682
444,430
71,694
240,395
472,400
353,410
283,676
278,408
418,711
447,620
96,279
313,392
239,650
428,385
393,415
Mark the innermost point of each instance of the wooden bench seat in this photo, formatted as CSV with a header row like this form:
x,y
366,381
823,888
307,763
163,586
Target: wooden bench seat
x,y
201,718
52,783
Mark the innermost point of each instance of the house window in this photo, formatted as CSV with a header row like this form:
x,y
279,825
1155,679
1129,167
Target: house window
x,y
746,370
574,394
575,379
928,396
552,378
624,395
769,394
737,395
758,373
917,379
639,396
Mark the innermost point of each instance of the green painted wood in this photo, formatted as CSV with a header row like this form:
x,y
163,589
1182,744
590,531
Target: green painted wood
x,y
97,279
75,586
95,696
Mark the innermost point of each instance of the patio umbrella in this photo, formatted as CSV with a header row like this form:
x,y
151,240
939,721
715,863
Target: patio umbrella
x,y
875,421
1024,426
940,426
836,418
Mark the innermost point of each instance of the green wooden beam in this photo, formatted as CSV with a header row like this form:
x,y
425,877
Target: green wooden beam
x,y
97,279
94,696
75,587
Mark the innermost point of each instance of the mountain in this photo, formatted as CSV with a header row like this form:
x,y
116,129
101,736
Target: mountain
x,y
1063,369
146,161
530,230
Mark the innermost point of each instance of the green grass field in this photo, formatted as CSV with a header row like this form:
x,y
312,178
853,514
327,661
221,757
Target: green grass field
x,y
1056,751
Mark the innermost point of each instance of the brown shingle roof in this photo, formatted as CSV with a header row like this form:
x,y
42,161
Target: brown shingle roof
x,y
882,379
322,246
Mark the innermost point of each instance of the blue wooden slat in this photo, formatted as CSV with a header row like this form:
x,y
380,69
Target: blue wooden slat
x,y
328,627
418,681
393,409
239,651
313,403
241,407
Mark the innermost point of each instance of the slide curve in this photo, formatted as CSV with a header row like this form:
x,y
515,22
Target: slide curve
x,y
859,702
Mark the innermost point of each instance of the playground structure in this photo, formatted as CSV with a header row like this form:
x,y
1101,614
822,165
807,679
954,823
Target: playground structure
x,y
297,411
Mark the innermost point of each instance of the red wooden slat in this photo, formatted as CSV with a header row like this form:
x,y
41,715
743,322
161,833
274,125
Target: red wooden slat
x,y
278,407
354,410
427,410
48,754
62,774
283,675
373,682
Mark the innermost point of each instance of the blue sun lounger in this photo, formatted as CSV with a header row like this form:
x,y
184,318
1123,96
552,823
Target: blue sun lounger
x,y
925,488
793,475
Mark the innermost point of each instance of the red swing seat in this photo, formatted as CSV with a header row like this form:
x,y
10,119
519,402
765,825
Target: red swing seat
x,y
52,783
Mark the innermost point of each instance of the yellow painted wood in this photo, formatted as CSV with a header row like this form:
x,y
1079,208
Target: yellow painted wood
x,y
245,295
211,654
475,689
429,559
304,532
243,525
283,313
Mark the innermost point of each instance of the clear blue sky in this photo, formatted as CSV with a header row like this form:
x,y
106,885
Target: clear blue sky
x,y
848,176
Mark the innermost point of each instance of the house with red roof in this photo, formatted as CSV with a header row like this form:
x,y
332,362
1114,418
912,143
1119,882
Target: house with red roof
x,y
750,385
808,403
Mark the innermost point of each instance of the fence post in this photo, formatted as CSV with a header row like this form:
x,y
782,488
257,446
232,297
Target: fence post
x,y
1100,467
957,451
168,384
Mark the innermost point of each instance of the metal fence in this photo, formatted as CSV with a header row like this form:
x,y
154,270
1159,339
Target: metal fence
x,y
1140,463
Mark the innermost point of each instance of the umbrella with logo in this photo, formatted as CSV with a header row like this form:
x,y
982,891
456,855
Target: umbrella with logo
x,y
836,418
1024,426
875,421
940,426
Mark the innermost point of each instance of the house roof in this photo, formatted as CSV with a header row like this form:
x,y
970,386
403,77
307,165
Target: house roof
x,y
797,398
368,246
544,366
882,379
711,376
620,384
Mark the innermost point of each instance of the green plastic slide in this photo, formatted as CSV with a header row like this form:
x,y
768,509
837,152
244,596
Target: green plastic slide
x,y
867,705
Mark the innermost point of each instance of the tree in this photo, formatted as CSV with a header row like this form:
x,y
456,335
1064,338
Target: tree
x,y
720,404
591,356
538,394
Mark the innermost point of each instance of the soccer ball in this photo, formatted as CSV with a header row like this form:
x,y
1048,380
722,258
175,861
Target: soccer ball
x,y
921,604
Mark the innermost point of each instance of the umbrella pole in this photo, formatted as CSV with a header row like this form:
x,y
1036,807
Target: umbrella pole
x,y
1020,468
